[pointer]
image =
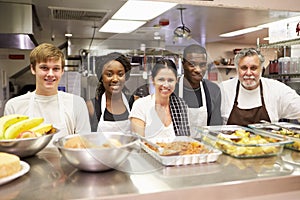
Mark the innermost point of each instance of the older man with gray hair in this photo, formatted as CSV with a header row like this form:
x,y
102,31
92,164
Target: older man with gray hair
x,y
249,98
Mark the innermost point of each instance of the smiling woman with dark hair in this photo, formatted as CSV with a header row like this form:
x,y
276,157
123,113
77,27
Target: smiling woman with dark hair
x,y
110,109
162,114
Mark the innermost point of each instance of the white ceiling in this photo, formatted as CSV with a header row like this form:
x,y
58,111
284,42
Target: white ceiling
x,y
205,22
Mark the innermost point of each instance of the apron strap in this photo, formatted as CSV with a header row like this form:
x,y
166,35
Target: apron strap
x,y
103,104
237,93
208,101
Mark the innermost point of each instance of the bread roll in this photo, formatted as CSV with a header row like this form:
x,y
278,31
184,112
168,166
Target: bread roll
x,y
9,164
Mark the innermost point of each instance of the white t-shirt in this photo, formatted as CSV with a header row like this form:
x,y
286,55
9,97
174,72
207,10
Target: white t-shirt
x,y
281,101
75,113
144,109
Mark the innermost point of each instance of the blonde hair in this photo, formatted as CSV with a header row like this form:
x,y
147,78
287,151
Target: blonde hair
x,y
44,52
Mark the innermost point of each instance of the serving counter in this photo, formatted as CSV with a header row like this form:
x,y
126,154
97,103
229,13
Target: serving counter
x,y
142,177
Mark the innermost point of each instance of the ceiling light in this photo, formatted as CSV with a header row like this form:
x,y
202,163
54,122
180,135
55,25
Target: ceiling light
x,y
68,35
121,26
182,31
241,32
142,10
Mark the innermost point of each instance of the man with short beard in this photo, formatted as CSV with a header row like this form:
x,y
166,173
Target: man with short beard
x,y
249,98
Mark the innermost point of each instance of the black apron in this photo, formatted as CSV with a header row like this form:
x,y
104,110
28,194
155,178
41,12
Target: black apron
x,y
243,117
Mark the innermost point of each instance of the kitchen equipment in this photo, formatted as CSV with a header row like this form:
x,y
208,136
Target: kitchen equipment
x,y
284,65
294,65
98,157
25,147
225,61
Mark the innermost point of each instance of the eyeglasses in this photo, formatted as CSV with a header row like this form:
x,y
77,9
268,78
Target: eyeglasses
x,y
194,64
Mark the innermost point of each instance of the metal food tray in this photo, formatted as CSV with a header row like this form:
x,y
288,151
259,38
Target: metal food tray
x,y
271,129
182,159
209,135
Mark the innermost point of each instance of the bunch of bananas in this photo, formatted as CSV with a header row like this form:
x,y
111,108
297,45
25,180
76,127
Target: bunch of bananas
x,y
21,126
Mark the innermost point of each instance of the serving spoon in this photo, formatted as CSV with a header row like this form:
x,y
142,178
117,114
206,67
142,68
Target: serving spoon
x,y
161,150
228,136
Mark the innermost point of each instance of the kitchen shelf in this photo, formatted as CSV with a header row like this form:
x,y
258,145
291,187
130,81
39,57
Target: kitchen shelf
x,y
228,68
225,66
281,43
282,76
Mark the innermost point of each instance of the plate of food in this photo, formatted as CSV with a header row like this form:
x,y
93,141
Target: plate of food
x,y
11,167
191,151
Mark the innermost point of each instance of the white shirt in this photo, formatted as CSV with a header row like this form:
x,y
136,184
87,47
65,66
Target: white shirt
x,y
281,101
74,109
144,109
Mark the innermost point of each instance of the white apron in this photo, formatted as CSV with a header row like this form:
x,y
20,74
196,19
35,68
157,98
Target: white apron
x,y
154,127
116,126
197,116
61,125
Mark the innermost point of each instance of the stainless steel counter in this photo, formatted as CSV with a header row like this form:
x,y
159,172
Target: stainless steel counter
x,y
142,177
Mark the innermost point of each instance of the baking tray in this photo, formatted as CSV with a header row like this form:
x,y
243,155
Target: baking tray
x,y
182,159
274,130
258,144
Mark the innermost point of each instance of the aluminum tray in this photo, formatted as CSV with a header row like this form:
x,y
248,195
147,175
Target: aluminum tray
x,y
274,130
245,149
182,159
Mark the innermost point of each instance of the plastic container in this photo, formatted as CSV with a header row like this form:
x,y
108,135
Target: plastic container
x,y
273,67
290,134
284,65
294,65
258,144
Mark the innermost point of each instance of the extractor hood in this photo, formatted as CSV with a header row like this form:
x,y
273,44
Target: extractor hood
x,y
16,26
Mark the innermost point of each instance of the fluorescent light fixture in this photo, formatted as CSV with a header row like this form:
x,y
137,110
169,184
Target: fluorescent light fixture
x,y
266,39
68,34
121,26
142,10
241,32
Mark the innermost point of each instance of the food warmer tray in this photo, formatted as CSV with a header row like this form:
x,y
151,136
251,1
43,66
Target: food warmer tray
x,y
275,130
258,144
182,159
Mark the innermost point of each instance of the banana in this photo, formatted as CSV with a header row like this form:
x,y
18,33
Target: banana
x,y
41,129
14,130
8,120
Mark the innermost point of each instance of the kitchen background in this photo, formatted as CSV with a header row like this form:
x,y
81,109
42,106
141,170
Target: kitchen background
x,y
49,21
